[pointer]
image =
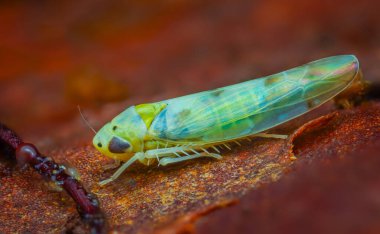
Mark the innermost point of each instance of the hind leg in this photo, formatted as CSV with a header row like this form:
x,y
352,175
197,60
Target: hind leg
x,y
267,135
170,155
167,160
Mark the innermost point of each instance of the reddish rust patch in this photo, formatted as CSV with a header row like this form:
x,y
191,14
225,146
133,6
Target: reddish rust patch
x,y
342,133
337,197
185,224
349,131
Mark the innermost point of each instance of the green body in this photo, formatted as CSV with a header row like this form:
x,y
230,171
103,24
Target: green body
x,y
229,113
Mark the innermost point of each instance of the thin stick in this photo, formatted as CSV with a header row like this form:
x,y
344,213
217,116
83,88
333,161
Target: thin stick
x,y
25,153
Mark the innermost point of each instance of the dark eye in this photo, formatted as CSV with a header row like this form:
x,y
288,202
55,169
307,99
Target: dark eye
x,y
100,145
114,128
118,145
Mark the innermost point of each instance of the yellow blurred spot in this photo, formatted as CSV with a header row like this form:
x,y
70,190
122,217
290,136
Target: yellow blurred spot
x,y
88,85
293,157
129,222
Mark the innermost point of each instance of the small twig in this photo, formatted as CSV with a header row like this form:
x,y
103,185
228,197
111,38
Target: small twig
x,y
26,153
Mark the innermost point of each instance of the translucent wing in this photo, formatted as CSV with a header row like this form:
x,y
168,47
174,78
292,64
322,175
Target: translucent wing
x,y
253,106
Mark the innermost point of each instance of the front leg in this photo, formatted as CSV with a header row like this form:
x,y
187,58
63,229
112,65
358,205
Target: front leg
x,y
116,163
137,156
168,155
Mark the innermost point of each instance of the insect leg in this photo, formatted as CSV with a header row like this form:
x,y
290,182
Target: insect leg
x,y
267,135
137,156
227,146
176,154
158,158
184,152
216,149
205,150
157,153
116,163
167,160
237,142
194,151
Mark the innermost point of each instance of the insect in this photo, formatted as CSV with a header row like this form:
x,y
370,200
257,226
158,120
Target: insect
x,y
197,125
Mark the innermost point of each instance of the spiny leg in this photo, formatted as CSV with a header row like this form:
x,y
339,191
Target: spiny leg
x,y
216,149
167,160
171,151
171,155
267,135
227,146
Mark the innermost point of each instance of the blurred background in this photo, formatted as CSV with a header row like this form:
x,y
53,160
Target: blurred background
x,y
107,55
56,55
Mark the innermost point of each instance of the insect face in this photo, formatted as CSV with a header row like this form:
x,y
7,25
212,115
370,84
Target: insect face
x,y
112,145
122,137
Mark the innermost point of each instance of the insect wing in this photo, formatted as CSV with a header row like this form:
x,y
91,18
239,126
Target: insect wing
x,y
254,106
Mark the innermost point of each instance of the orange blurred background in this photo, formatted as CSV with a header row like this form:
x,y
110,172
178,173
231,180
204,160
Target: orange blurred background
x,y
55,55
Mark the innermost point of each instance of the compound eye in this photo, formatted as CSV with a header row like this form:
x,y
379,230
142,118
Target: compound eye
x,y
118,145
99,145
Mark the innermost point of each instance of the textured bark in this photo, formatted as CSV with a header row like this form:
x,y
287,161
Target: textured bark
x,y
53,57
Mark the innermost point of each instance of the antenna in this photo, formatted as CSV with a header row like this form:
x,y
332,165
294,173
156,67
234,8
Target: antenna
x,y
85,120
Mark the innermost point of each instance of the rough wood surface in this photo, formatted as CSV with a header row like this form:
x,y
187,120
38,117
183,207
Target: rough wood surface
x,y
107,56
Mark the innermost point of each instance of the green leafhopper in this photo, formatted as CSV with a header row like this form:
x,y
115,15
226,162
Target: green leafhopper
x,y
195,125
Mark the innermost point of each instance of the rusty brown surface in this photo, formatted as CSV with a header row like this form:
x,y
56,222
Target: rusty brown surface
x,y
328,190
155,51
339,195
